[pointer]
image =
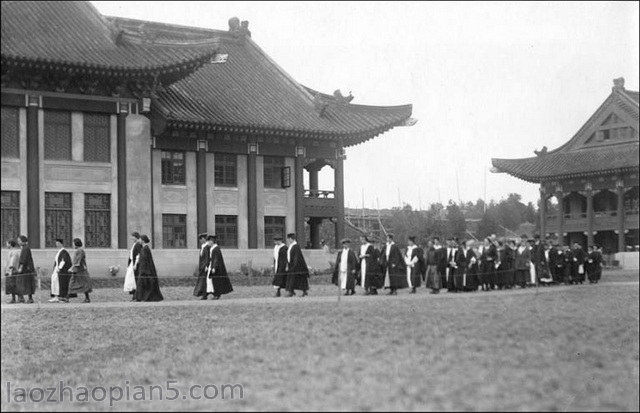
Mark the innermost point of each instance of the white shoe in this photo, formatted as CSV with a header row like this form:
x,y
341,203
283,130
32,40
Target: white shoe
x,y
54,300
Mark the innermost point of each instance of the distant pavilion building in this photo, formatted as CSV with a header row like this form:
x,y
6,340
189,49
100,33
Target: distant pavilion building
x,y
594,177
111,125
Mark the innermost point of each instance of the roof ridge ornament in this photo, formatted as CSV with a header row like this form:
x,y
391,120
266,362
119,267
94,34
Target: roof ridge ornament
x,y
618,84
340,98
541,152
238,29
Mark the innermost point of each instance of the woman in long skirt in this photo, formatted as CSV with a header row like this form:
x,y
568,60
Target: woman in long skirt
x,y
80,279
13,258
148,287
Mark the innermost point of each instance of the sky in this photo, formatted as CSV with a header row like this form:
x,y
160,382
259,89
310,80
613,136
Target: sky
x,y
486,80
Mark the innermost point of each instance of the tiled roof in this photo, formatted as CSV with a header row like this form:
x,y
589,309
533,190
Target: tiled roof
x,y
250,92
588,161
75,35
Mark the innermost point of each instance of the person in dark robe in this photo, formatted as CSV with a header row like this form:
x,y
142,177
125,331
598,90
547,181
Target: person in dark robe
x,y
523,263
568,276
200,290
346,269
414,261
394,267
378,270
579,259
60,276
26,281
452,248
593,265
544,273
556,263
471,280
460,267
131,276
279,265
218,271
489,265
505,272
369,267
297,270
148,285
80,282
10,271
432,276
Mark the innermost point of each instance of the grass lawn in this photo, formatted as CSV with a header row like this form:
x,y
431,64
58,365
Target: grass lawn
x,y
570,349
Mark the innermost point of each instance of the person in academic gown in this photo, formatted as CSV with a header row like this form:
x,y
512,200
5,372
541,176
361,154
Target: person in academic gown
x,y
279,265
460,269
297,270
346,269
218,271
471,281
414,260
556,263
579,259
568,274
593,265
452,248
544,273
131,276
370,278
60,276
505,272
10,271
489,265
522,264
148,285
394,267
80,282
26,276
432,276
200,290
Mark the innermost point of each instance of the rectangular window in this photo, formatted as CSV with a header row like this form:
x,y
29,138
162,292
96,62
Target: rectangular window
x,y
174,231
10,215
97,220
273,166
57,216
227,230
273,226
57,135
10,133
173,168
97,137
226,166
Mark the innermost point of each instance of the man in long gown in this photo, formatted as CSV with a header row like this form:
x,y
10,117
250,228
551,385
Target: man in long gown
x,y
26,281
218,271
60,276
297,270
370,278
131,276
279,265
346,268
392,262
148,286
200,289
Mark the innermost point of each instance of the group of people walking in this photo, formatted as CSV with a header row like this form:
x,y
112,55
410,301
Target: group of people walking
x,y
69,276
141,278
462,266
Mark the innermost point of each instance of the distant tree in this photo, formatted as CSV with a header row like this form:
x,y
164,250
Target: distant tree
x,y
456,225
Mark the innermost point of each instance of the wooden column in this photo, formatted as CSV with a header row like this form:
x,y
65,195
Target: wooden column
x,y
252,195
299,182
543,212
33,172
313,178
314,229
621,217
339,194
123,111
560,197
201,186
590,214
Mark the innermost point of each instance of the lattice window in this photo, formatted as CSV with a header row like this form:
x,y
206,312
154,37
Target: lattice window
x,y
10,215
273,226
273,167
226,166
10,132
57,216
97,137
227,230
173,168
97,220
57,135
174,231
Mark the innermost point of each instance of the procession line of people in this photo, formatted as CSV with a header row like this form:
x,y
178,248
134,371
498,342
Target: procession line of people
x,y
69,276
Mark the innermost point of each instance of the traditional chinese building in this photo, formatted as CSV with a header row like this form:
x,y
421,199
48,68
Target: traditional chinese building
x,y
111,125
593,178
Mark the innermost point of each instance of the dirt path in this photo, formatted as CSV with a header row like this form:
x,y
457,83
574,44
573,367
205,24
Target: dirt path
x,y
422,295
